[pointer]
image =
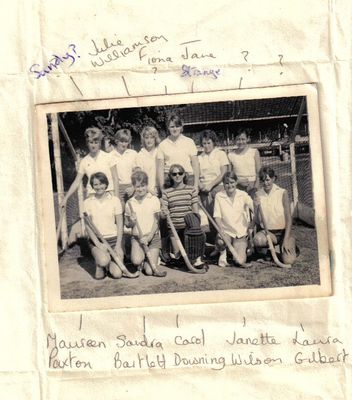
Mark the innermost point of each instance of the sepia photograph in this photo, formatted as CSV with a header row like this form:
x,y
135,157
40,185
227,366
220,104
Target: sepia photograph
x,y
181,199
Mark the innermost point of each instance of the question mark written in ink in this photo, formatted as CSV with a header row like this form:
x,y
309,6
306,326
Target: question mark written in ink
x,y
73,46
245,55
154,69
281,57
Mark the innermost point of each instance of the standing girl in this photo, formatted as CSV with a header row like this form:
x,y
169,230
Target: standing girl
x,y
177,149
146,158
96,161
213,164
125,160
245,162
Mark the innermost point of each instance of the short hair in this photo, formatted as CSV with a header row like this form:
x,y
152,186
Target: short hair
x,y
264,171
176,119
208,134
150,130
240,131
139,177
229,175
102,178
180,168
92,133
123,135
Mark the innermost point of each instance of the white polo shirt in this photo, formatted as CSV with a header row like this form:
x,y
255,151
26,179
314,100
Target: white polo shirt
x,y
145,211
177,152
273,208
101,163
103,212
210,165
233,213
244,164
146,161
125,163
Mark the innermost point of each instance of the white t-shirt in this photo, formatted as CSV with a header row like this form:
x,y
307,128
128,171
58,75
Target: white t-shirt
x,y
125,163
210,165
273,208
177,152
233,213
101,163
244,164
103,212
145,211
146,161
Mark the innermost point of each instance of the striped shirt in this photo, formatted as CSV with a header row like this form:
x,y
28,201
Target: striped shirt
x,y
179,202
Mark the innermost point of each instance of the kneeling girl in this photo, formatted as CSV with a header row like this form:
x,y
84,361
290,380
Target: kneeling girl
x,y
275,205
180,201
231,213
143,209
106,213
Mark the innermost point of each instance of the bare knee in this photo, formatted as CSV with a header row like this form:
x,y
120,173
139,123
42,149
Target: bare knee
x,y
260,240
147,269
241,256
288,258
137,259
101,258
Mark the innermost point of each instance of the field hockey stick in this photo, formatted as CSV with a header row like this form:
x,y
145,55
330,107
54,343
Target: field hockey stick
x,y
270,242
58,234
222,235
182,249
146,250
58,229
111,251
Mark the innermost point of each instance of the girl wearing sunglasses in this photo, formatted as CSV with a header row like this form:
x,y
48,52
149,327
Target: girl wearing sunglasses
x,y
180,200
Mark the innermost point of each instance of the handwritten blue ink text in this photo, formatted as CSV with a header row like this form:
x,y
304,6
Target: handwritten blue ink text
x,y
70,56
188,71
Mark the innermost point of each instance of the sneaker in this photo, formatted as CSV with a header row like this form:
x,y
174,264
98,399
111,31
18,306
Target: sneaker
x,y
198,263
223,259
165,256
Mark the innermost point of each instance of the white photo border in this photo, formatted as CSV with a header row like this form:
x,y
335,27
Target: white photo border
x,y
46,216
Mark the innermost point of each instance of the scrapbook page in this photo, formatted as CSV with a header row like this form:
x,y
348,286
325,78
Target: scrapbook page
x,y
176,203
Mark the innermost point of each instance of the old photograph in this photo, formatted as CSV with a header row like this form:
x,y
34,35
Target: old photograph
x,y
181,199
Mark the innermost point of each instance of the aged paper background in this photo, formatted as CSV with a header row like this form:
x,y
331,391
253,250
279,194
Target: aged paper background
x,y
314,38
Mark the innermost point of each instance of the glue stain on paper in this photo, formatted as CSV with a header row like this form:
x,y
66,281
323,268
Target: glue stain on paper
x,y
69,57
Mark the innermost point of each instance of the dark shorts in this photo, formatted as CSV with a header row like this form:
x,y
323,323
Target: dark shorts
x,y
180,233
279,234
155,243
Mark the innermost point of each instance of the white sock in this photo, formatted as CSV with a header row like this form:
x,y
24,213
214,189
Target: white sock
x,y
222,259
